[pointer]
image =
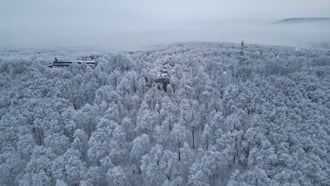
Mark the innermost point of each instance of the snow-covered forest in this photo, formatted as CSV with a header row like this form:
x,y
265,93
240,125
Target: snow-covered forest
x,y
257,116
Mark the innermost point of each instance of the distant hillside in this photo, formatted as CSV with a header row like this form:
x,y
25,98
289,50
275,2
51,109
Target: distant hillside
x,y
303,20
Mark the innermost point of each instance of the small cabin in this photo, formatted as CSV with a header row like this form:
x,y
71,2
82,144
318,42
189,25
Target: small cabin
x,y
162,77
58,63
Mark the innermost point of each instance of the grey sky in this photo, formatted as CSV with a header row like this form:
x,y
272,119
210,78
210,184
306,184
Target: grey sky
x,y
87,23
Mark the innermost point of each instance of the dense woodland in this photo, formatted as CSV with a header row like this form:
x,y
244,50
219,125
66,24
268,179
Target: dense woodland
x,y
229,116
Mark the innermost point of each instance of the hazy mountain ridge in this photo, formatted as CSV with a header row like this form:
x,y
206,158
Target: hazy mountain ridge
x,y
304,20
257,115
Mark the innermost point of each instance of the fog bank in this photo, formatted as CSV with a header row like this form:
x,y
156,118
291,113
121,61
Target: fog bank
x,y
125,25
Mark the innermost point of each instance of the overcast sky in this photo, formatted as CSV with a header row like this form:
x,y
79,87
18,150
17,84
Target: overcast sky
x,y
87,23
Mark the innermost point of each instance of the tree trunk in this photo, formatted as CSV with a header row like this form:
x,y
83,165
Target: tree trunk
x,y
193,137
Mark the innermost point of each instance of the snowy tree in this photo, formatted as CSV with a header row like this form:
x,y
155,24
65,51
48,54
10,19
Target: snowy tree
x,y
38,170
69,167
140,146
117,176
80,143
86,119
57,142
151,166
179,135
100,140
